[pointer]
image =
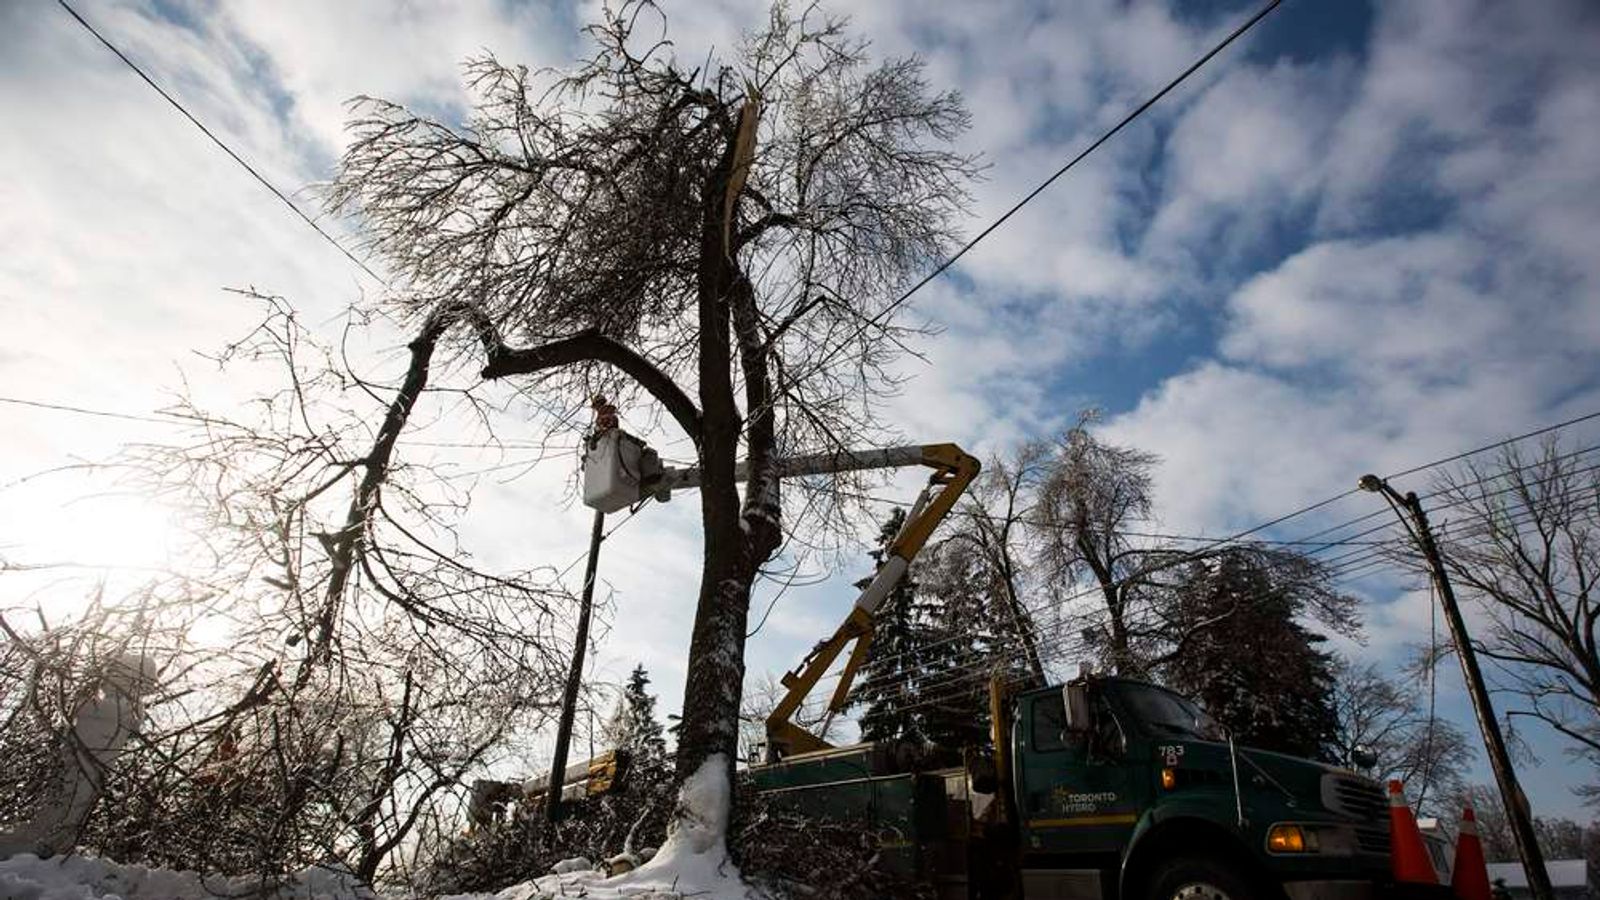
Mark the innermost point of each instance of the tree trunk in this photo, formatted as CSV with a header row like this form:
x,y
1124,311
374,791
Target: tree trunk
x,y
716,646
737,540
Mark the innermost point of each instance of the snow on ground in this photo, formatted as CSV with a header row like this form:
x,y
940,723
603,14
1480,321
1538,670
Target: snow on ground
x,y
27,877
692,863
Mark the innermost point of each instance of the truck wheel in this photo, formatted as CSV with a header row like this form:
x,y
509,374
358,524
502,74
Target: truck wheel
x,y
1197,878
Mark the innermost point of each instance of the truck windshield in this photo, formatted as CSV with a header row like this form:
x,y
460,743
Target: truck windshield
x,y
1168,714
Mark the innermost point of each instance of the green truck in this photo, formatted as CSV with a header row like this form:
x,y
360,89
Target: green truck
x,y
1106,787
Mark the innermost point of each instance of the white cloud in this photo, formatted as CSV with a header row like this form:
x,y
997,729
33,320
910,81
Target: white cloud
x,y
323,54
1245,159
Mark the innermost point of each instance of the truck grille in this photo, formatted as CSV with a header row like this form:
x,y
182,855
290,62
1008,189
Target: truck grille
x,y
1356,797
1373,840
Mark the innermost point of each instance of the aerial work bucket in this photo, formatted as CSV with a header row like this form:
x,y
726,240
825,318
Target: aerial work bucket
x,y
617,467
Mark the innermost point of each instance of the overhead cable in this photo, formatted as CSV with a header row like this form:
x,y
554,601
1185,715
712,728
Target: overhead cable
x,y
254,173
938,270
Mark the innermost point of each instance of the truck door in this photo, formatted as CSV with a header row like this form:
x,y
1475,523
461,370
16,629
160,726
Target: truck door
x,y
1077,794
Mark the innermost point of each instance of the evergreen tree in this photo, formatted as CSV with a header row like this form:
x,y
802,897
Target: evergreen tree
x,y
1245,656
634,727
895,656
916,683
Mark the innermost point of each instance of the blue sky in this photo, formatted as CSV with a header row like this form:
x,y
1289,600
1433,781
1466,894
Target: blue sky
x,y
1361,240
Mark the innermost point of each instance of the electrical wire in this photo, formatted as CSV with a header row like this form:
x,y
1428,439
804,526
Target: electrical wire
x,y
1521,437
1370,562
940,269
964,678
85,411
184,421
604,535
220,143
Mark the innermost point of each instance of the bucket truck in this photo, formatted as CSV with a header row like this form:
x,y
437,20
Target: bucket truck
x,y
1104,788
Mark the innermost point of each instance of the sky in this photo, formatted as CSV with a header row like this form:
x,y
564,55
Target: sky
x,y
1360,240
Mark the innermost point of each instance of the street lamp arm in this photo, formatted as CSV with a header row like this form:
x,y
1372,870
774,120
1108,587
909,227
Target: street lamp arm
x,y
1373,484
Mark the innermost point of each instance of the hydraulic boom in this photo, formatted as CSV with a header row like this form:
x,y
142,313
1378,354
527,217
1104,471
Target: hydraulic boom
x,y
619,470
953,470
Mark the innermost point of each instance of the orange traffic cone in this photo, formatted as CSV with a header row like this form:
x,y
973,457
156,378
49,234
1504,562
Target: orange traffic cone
x,y
1470,877
1410,858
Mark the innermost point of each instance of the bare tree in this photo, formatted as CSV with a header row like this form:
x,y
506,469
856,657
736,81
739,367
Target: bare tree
x,y
1521,538
1559,838
723,242
330,663
1094,495
1392,722
993,525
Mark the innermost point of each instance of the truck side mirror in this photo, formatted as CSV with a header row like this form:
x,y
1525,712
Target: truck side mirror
x,y
1075,701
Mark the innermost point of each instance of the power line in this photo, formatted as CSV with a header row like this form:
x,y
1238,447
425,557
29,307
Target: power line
x,y
1361,560
608,533
220,143
1521,437
1022,518
1487,494
993,226
84,411
170,419
963,677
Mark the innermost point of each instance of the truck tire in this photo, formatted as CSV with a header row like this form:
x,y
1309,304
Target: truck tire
x,y
1198,878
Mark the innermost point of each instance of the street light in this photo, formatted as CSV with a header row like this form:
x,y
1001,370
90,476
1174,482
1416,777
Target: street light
x,y
1415,519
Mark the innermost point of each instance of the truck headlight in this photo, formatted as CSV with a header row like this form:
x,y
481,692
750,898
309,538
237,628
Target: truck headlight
x,y
1291,839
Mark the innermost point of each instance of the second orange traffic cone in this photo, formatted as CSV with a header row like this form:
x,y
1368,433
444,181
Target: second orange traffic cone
x,y
1470,877
1410,858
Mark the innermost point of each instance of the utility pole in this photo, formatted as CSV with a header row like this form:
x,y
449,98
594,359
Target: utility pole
x,y
569,700
605,421
1511,795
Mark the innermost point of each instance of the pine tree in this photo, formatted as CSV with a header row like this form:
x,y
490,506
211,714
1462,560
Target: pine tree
x,y
894,657
916,684
1245,656
974,635
634,728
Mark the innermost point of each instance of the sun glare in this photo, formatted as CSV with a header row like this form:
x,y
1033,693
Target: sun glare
x,y
115,531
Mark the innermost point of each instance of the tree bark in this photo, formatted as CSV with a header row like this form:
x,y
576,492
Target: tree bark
x,y
736,542
716,672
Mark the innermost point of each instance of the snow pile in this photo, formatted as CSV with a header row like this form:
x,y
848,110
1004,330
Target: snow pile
x,y
692,863
27,877
575,864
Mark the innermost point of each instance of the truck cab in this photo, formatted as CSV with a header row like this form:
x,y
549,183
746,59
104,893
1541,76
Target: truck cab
x,y
1121,788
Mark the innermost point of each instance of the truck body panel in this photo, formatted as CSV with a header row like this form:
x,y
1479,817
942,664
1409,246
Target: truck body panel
x,y
1094,812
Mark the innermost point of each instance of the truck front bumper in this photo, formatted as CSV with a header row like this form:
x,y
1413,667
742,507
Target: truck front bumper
x,y
1329,890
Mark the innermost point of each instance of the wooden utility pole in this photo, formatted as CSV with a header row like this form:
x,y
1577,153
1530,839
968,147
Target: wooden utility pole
x,y
569,700
1511,795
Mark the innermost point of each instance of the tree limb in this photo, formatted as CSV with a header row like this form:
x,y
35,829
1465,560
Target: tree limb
x,y
591,346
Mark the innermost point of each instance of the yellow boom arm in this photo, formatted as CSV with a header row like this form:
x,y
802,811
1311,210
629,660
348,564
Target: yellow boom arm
x,y
953,470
